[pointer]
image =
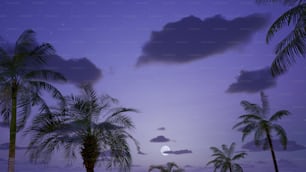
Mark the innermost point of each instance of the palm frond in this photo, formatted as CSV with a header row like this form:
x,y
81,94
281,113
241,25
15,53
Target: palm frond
x,y
214,161
250,117
216,150
5,102
136,143
279,115
241,124
223,159
71,124
231,149
289,17
237,168
224,168
248,129
287,50
41,52
25,42
281,133
46,75
37,100
120,154
265,103
251,107
239,156
42,85
170,165
118,111
258,136
121,120
24,107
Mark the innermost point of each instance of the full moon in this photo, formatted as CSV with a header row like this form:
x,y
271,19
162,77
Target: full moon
x,y
163,149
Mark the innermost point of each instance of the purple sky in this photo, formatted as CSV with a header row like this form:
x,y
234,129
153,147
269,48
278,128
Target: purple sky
x,y
180,63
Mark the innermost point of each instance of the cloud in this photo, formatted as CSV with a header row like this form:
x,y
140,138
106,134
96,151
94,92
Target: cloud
x,y
161,128
77,71
291,146
191,38
160,139
253,81
178,152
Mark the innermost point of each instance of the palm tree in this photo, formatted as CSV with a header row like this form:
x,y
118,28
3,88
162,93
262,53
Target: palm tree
x,y
225,158
293,45
22,81
87,123
256,121
169,167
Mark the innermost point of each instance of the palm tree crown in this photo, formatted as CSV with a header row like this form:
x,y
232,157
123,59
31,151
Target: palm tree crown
x,y
22,80
87,123
256,121
293,45
225,158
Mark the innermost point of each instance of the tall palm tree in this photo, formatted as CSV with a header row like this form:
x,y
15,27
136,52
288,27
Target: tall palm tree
x,y
22,81
169,167
225,158
257,121
293,45
87,123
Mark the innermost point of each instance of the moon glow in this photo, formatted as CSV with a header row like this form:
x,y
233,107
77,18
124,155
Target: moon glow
x,y
163,149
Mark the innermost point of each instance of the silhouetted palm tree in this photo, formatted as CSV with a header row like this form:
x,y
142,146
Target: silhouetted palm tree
x,y
293,45
169,167
86,123
225,158
22,82
256,121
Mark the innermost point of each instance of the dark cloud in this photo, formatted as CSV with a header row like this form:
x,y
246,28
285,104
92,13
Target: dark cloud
x,y
291,146
160,139
253,81
161,128
192,38
178,152
77,71
5,146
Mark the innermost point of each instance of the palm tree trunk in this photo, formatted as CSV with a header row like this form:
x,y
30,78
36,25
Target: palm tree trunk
x,y
90,152
272,150
230,168
11,159
89,169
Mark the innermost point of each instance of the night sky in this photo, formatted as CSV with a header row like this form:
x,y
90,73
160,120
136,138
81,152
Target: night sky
x,y
185,65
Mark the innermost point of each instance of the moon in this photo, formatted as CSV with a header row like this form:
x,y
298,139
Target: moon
x,y
163,149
